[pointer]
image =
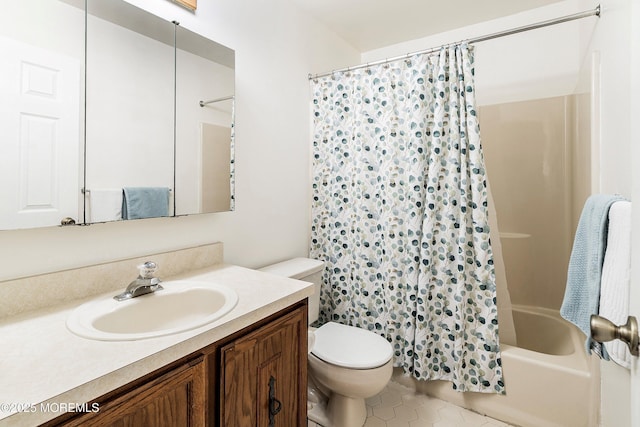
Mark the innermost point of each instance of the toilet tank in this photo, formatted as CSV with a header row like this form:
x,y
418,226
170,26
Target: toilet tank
x,y
305,269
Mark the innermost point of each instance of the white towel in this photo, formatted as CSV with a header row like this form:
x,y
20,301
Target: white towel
x,y
106,204
614,288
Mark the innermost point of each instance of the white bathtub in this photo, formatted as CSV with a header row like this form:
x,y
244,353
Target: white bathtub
x,y
549,379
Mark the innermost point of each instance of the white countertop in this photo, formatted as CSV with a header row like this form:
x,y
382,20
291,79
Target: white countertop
x,y
44,366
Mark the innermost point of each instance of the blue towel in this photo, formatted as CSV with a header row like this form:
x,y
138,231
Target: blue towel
x,y
582,293
145,202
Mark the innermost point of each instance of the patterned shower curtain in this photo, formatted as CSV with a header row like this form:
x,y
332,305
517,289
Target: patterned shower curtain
x,y
400,215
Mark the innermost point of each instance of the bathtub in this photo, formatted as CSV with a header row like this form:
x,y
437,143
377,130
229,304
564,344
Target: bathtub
x,y
549,379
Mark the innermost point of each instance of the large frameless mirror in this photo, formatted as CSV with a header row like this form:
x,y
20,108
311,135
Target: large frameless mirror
x,y
204,125
130,110
149,134
159,117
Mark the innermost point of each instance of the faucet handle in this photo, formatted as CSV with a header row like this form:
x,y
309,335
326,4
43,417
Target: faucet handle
x,y
147,269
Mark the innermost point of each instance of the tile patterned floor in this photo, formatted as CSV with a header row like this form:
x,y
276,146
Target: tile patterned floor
x,y
398,406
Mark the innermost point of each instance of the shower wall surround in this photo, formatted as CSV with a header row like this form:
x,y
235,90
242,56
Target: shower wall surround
x,y
535,157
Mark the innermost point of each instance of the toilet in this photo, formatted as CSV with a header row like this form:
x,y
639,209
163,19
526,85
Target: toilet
x,y
346,364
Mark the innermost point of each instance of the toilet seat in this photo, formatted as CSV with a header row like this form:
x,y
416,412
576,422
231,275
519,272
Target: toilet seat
x,y
350,347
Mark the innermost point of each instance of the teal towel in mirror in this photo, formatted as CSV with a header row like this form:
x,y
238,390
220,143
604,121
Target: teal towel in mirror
x,y
145,202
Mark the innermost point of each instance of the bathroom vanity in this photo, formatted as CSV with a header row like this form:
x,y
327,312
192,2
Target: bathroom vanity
x,y
246,368
255,377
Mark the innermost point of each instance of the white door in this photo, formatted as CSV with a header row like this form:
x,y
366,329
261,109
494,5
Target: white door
x,y
635,232
40,136
635,303
620,393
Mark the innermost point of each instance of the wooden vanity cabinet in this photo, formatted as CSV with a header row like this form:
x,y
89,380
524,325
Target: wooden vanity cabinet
x,y
254,377
263,375
174,399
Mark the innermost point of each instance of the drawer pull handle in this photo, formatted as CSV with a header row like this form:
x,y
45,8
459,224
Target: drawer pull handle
x,y
274,404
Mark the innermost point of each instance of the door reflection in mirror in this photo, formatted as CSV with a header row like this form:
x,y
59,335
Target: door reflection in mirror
x,y
41,75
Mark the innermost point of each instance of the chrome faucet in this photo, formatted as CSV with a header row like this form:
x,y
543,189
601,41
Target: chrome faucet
x,y
144,284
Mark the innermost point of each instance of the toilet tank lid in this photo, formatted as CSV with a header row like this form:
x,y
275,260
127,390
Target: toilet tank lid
x,y
295,268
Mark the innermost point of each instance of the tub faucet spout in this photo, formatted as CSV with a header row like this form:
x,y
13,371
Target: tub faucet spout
x,y
144,284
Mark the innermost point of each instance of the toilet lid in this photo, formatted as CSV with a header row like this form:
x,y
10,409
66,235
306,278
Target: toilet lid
x,y
350,347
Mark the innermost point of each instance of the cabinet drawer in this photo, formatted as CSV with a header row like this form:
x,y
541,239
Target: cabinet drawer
x,y
175,399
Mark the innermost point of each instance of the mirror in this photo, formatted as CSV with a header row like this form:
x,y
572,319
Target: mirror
x,y
129,118
145,130
204,125
41,112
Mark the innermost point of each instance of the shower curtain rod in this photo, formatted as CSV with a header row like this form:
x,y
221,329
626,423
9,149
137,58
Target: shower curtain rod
x,y
225,98
567,18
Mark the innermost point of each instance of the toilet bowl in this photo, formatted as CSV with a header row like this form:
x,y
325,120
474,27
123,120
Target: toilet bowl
x,y
346,364
352,364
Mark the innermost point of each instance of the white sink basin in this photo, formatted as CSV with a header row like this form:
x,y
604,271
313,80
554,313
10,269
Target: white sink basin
x,y
180,306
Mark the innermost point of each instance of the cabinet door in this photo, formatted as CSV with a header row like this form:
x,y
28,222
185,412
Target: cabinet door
x,y
175,399
264,375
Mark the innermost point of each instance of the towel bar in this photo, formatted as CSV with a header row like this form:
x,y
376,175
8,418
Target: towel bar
x,y
86,190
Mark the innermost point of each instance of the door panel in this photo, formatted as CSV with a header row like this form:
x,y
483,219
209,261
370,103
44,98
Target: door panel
x,y
261,375
40,123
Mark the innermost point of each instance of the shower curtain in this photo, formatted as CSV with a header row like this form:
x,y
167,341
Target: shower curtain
x,y
399,215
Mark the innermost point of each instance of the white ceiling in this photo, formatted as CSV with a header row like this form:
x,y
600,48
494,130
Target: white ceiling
x,y
372,24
